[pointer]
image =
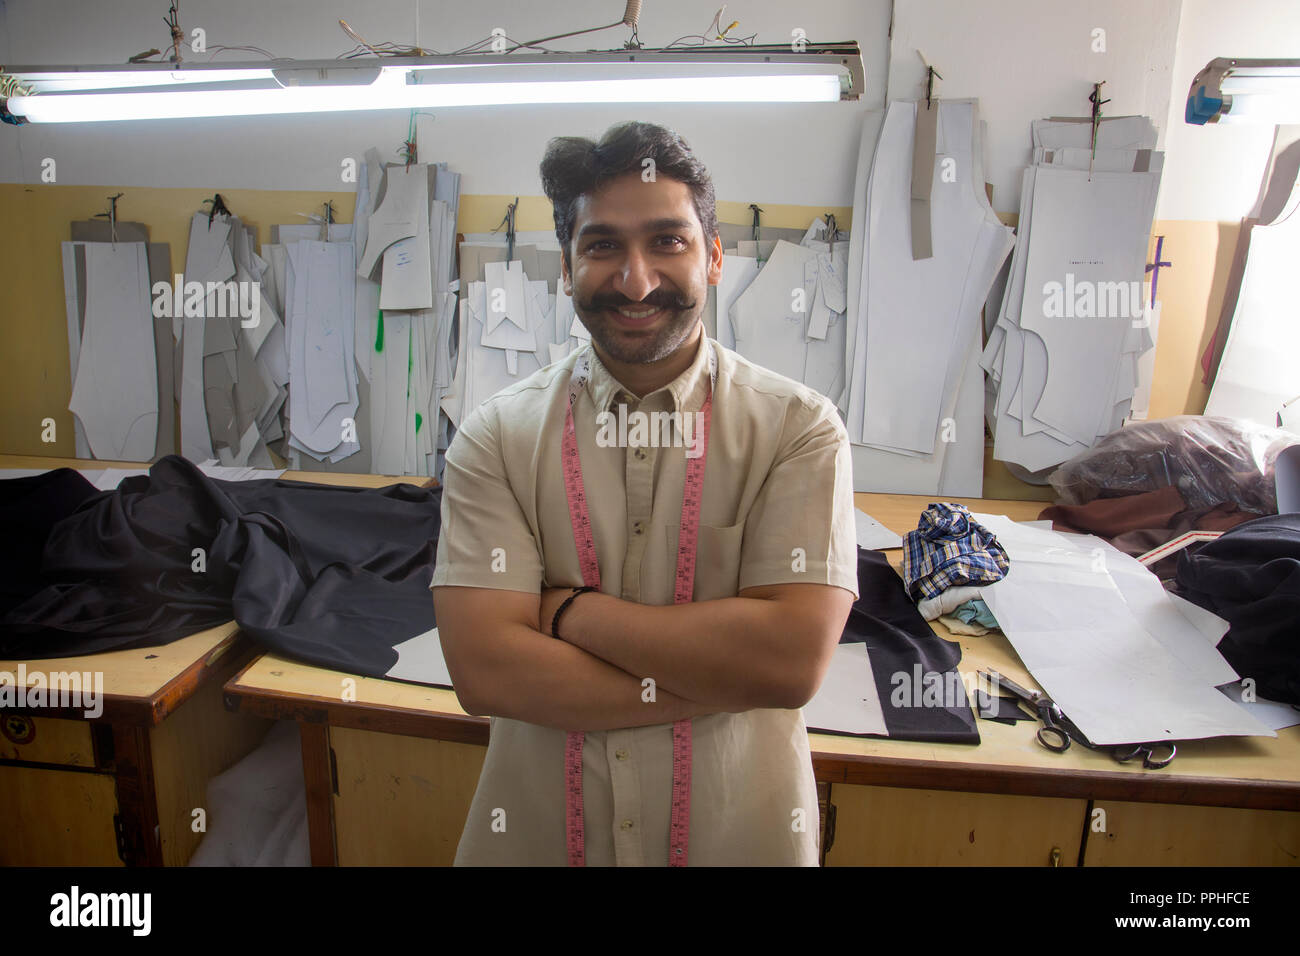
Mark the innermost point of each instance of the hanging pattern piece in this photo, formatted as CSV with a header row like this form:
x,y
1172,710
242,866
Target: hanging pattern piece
x,y
914,386
1063,353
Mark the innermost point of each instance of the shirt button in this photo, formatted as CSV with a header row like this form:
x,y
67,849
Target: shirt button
x,y
621,754
626,824
640,453
638,527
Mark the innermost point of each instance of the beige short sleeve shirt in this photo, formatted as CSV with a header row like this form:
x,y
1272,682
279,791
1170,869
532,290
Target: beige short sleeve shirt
x,y
777,509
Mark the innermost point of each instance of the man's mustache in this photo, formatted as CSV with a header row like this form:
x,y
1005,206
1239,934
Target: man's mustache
x,y
659,299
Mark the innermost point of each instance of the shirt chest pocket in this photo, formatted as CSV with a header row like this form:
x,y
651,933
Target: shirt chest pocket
x,y
717,562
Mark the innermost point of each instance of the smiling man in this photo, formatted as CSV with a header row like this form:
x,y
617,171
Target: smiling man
x,y
644,622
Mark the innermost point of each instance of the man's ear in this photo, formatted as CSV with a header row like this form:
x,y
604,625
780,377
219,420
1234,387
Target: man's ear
x,y
566,277
715,260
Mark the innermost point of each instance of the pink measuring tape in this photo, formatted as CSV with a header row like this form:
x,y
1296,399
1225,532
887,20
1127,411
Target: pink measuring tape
x,y
684,589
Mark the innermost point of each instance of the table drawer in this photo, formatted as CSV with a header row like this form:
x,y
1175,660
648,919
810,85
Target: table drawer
x,y
50,740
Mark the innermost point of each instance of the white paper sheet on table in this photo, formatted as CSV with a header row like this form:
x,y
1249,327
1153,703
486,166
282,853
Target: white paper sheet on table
x,y
420,661
1274,713
847,702
873,535
1168,622
1072,627
1211,626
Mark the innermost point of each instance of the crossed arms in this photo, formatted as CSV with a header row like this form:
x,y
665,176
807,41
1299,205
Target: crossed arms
x,y
768,647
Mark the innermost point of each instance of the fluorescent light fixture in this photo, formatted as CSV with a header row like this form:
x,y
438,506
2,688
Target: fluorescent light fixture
x,y
426,82
60,82
1232,90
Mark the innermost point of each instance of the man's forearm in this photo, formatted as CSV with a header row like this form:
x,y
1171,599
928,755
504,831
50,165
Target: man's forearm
x,y
743,652
528,676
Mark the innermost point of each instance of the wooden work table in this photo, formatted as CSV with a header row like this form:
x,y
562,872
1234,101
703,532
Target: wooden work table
x,y
886,801
122,788
390,767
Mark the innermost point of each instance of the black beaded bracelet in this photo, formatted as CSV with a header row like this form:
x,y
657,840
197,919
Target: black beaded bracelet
x,y
555,621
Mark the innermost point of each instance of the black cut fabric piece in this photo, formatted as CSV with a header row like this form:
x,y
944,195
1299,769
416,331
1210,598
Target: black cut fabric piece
x,y
1004,710
333,576
900,642
1250,577
29,508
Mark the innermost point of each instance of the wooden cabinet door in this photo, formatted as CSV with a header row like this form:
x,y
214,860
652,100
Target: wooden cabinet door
x,y
1161,834
401,801
894,826
57,818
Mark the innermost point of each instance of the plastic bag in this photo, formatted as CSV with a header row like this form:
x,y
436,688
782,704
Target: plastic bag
x,y
1210,460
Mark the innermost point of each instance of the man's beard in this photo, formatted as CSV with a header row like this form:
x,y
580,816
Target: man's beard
x,y
639,350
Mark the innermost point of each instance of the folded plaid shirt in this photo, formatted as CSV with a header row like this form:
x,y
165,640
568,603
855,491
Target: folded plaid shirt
x,y
949,548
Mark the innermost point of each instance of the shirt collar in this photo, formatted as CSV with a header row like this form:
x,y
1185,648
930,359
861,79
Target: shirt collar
x,y
687,391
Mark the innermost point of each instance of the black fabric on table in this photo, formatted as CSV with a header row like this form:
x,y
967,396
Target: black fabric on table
x,y
1250,577
334,576
29,508
1004,710
898,639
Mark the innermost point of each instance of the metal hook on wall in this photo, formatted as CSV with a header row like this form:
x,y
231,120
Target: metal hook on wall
x,y
1097,102
509,222
111,216
218,207
931,74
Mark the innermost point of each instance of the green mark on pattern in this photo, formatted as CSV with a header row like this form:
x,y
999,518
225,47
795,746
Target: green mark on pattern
x,y
379,334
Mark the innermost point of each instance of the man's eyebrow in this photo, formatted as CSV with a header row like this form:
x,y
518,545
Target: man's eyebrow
x,y
653,225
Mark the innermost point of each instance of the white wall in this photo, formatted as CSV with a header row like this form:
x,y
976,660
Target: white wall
x,y
1023,59
780,154
1213,172
1029,59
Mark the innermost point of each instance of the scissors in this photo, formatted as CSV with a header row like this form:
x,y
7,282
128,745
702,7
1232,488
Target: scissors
x,y
1148,753
1057,729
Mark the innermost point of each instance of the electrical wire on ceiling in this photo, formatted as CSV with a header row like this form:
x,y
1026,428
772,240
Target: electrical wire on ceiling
x,y
173,54
631,14
478,45
715,32
386,48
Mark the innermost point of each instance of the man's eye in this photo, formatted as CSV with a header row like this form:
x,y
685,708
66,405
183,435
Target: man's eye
x,y
600,245
672,241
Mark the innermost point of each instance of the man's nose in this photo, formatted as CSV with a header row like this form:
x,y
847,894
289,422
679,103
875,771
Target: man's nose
x,y
637,278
